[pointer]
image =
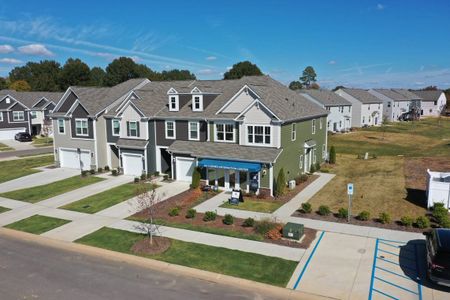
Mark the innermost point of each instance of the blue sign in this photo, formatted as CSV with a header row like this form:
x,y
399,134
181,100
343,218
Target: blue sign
x,y
349,188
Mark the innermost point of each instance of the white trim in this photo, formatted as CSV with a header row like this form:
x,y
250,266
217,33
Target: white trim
x,y
174,129
198,131
196,90
232,123
158,157
200,102
263,144
1,116
271,179
20,112
64,98
177,103
108,155
301,162
87,127
64,125
126,105
235,96
293,131
258,102
313,126
172,91
112,126
129,129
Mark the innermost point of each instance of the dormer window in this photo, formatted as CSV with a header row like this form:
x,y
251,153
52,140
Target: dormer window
x,y
8,100
197,103
174,103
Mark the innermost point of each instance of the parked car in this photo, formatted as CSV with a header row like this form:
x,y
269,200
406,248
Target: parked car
x,y
23,137
438,256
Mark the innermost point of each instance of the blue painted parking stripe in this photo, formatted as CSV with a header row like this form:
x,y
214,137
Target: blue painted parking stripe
x,y
307,262
385,251
419,283
387,295
386,270
396,285
373,270
394,263
386,240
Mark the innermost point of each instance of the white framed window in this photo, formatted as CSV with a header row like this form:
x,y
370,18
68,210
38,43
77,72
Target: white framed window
x,y
1,116
224,132
258,134
133,129
313,126
81,127
197,103
300,162
115,127
174,104
194,131
61,126
18,116
324,151
320,120
33,114
294,132
314,156
170,130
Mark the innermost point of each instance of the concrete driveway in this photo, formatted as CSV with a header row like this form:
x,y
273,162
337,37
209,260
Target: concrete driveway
x,y
18,145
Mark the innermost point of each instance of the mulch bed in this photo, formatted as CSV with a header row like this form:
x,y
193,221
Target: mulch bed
x,y
159,245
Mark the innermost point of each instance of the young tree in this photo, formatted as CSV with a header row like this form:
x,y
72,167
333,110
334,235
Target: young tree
x,y
281,183
295,85
241,69
146,201
308,77
332,155
20,86
384,126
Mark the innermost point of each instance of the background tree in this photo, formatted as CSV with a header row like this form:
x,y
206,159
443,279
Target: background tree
x,y
97,76
314,86
338,87
176,74
3,83
447,95
20,86
295,85
145,204
123,68
308,77
74,72
241,69
41,76
430,88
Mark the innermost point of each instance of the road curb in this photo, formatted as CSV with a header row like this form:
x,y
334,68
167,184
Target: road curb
x,y
264,289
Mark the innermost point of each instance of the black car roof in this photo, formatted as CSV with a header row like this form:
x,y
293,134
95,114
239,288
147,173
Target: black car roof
x,y
443,239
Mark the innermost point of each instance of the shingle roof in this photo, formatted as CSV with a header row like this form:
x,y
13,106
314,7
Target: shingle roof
x,y
392,94
407,94
225,151
428,95
362,96
327,98
30,98
131,143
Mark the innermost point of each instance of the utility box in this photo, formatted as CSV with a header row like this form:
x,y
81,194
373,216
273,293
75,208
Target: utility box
x,y
293,231
292,184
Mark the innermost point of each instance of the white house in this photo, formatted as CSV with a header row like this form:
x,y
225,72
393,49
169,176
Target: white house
x,y
433,102
438,188
367,110
396,102
340,117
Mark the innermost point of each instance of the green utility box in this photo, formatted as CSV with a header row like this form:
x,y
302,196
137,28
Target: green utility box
x,y
293,231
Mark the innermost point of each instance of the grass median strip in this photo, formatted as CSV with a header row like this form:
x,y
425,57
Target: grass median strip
x,y
3,209
42,142
100,201
12,169
4,147
256,205
37,224
42,192
266,269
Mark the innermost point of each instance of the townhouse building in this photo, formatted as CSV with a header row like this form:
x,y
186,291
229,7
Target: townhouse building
x,y
398,103
433,102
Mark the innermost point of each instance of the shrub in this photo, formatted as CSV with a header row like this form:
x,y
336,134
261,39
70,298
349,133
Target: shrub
x,y
174,211
196,178
99,170
264,226
301,178
342,213
249,222
364,215
84,173
445,223
143,176
106,168
312,169
281,183
407,221
306,208
209,216
156,173
136,179
332,155
191,213
317,166
275,233
114,172
324,210
440,214
228,219
385,218
92,171
422,222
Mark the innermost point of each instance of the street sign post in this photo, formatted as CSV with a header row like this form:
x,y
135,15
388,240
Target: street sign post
x,y
350,194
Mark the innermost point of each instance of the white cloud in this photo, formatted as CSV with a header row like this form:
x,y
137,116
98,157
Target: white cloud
x,y
35,49
6,49
332,62
229,68
206,72
380,6
11,61
211,58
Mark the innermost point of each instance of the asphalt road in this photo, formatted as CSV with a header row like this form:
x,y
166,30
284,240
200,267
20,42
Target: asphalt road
x,y
33,271
36,151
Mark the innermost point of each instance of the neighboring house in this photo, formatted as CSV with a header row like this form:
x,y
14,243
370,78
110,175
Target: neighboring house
x,y
438,188
398,103
340,117
239,132
25,111
433,102
367,110
79,128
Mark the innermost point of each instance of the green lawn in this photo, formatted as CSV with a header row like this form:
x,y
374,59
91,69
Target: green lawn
x,y
100,201
37,224
255,205
42,142
3,209
271,270
4,147
42,192
12,169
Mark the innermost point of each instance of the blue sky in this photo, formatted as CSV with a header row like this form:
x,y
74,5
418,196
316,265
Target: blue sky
x,y
353,43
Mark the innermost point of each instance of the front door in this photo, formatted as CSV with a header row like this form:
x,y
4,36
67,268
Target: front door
x,y
307,160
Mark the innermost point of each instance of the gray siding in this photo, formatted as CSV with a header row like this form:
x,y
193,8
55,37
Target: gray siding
x,y
109,136
151,149
68,103
181,132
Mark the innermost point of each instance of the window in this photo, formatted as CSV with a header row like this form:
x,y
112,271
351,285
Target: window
x,y
61,126
368,107
340,124
197,103
294,132
300,162
320,120
258,134
115,127
364,119
313,126
324,151
170,130
389,104
18,116
193,131
435,102
133,128
81,127
1,116
225,132
173,103
33,114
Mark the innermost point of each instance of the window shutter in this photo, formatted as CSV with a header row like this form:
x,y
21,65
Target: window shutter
x,y
138,129
128,128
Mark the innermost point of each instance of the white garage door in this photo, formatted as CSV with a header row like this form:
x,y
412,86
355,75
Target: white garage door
x,y
132,164
69,158
8,134
184,169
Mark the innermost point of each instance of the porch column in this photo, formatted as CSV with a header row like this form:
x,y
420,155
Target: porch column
x,y
237,184
216,181
247,189
207,176
227,179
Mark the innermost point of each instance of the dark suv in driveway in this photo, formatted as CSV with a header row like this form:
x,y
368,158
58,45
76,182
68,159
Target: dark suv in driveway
x,y
23,137
438,256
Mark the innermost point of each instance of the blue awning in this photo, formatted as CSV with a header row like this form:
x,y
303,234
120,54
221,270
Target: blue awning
x,y
227,164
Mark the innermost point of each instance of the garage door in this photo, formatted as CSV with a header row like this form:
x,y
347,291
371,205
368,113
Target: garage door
x,y
69,158
8,134
184,169
132,164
